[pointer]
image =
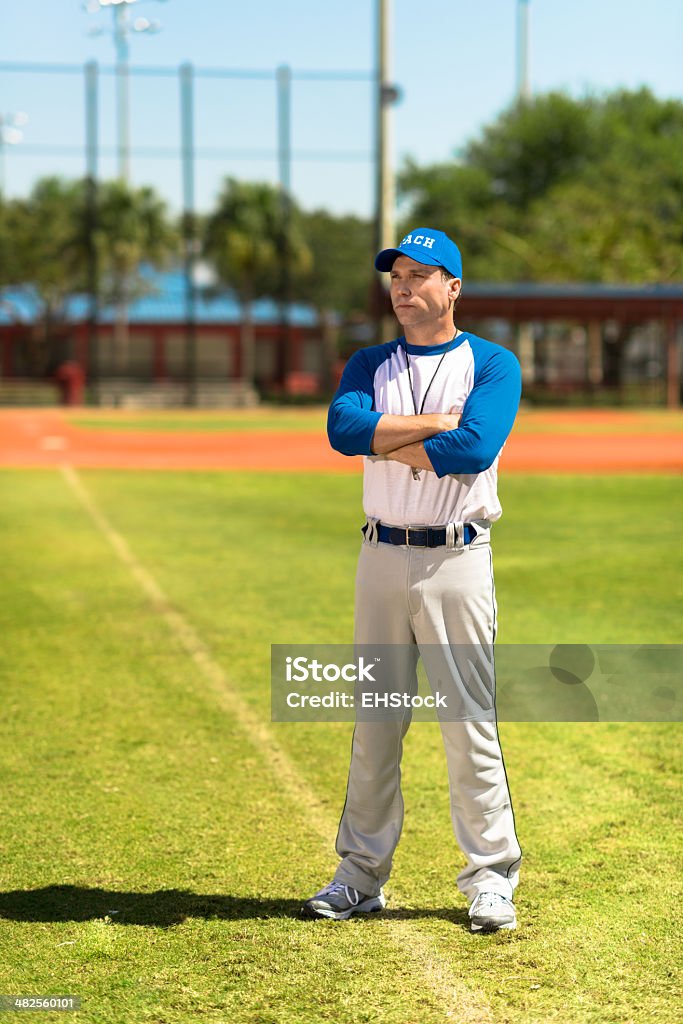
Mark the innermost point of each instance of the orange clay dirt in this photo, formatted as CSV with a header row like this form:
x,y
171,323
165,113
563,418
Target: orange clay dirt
x,y
47,437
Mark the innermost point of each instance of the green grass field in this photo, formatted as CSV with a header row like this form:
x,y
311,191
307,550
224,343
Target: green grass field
x,y
160,832
262,419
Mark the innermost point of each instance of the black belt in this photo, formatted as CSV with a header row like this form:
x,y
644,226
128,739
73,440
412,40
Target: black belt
x,y
419,536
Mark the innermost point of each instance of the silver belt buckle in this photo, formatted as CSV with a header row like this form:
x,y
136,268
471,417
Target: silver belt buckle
x,y
419,529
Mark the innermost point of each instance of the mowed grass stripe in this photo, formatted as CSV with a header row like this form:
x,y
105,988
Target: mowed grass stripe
x,y
187,636
457,1000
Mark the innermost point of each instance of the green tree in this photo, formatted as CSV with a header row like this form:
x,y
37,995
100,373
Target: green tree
x,y
562,189
534,145
46,246
248,235
621,220
45,233
133,228
341,275
44,249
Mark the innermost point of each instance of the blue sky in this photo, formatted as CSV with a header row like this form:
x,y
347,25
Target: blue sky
x,y
454,61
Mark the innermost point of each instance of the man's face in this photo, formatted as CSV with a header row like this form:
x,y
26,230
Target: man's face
x,y
419,293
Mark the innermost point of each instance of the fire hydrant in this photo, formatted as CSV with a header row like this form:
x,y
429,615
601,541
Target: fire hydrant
x,y
71,381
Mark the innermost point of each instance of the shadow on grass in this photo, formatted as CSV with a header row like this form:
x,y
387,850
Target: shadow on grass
x,y
167,907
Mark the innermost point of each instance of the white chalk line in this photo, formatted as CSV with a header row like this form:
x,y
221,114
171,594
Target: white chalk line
x,y
461,1004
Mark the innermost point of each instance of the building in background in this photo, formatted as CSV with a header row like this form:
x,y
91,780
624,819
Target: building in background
x,y
153,367
575,342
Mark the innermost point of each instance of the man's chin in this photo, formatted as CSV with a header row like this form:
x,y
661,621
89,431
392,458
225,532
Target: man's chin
x,y
406,316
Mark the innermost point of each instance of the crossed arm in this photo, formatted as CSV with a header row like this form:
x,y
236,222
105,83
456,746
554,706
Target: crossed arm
x,y
429,441
400,438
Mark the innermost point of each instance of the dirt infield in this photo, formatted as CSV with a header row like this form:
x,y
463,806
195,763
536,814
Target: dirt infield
x,y
38,437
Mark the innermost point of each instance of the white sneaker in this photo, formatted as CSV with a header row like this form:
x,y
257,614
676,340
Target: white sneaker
x,y
491,912
339,902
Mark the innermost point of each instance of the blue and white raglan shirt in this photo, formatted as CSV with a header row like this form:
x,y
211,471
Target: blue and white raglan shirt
x,y
478,378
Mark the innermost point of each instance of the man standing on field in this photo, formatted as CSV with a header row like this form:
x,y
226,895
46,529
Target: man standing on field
x,y
430,412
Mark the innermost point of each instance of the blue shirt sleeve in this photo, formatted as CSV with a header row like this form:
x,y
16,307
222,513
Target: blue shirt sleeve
x,y
487,417
352,420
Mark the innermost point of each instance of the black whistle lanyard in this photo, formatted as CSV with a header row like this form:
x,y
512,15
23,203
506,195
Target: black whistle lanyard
x,y
414,470
410,377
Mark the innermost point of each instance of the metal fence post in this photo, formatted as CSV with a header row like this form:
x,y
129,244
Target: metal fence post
x,y
186,74
91,156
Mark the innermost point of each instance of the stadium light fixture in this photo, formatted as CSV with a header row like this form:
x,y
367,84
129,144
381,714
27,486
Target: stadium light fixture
x,y
123,28
11,134
121,31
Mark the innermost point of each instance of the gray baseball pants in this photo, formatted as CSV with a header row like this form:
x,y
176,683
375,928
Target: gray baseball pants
x,y
428,596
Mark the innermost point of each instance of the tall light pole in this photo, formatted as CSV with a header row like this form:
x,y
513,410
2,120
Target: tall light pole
x,y
526,343
523,88
283,77
385,177
189,223
385,190
123,26
92,154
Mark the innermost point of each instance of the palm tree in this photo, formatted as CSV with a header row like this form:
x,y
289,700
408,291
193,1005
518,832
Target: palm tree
x,y
132,228
44,243
252,230
42,247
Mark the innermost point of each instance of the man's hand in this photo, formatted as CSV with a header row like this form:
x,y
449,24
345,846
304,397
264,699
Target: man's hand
x,y
397,432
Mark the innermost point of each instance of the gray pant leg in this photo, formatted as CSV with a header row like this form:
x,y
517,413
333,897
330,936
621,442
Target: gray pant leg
x,y
372,818
453,599
481,810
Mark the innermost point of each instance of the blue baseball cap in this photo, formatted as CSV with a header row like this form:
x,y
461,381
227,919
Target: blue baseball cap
x,y
425,245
